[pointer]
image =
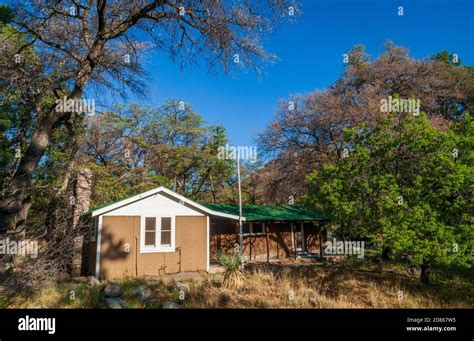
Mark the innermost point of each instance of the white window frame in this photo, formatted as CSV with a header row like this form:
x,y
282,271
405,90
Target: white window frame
x,y
158,248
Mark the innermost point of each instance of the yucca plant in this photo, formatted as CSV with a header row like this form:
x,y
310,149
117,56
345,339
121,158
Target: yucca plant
x,y
233,276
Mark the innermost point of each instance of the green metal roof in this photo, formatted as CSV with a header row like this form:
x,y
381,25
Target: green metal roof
x,y
254,212
269,213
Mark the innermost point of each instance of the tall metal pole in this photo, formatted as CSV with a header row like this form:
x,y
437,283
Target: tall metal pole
x,y
240,206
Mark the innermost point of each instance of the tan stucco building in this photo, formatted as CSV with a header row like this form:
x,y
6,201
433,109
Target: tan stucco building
x,y
161,232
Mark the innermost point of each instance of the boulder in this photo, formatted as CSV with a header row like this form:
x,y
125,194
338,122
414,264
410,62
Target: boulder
x,y
114,303
170,305
112,290
142,292
91,280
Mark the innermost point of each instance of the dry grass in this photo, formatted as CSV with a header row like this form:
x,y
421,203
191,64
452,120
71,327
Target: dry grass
x,y
341,285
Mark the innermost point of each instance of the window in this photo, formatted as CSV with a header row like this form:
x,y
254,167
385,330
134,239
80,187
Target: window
x,y
157,234
165,231
257,228
246,228
252,228
150,231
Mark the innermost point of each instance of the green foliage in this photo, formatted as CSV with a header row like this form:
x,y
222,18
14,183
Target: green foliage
x,y
231,262
448,58
135,149
16,111
405,185
6,14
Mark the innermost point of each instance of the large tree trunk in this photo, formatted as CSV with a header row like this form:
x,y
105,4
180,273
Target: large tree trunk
x,y
20,225
425,272
11,203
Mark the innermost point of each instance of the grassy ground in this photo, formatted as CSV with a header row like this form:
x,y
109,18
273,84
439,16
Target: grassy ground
x,y
336,285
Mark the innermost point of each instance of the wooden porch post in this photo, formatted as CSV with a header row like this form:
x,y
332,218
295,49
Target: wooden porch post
x,y
293,246
303,246
320,241
250,239
266,237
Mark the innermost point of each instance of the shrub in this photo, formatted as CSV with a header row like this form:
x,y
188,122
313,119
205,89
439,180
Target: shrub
x,y
233,276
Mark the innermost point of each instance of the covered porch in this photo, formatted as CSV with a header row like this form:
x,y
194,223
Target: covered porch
x,y
269,232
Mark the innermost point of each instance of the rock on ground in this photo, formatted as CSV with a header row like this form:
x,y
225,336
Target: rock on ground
x,y
170,305
114,303
112,290
142,292
91,280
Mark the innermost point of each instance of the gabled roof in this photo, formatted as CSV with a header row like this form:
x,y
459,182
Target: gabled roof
x,y
99,210
230,211
269,213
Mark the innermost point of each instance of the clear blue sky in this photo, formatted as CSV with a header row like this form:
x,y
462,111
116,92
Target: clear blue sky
x,y
310,57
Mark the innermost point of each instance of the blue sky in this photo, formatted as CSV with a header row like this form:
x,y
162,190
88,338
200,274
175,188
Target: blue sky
x,y
310,57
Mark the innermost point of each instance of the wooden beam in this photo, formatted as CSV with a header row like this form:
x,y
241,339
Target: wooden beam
x,y
268,245
320,242
292,237
250,239
303,244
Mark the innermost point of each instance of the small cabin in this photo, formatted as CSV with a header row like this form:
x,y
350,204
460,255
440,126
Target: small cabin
x,y
160,232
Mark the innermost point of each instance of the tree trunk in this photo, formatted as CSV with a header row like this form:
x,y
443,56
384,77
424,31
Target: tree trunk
x,y
20,226
12,202
213,192
386,253
425,272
